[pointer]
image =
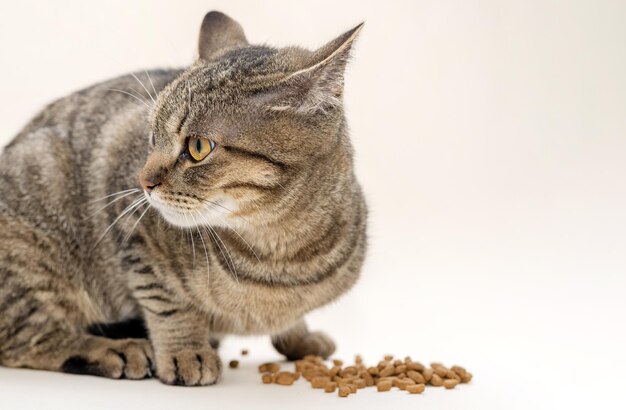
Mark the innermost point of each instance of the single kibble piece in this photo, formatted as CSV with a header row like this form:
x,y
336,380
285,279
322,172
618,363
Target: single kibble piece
x,y
466,378
360,383
428,374
319,382
401,384
344,391
417,366
269,367
330,387
267,378
337,362
415,388
384,385
439,369
286,378
358,359
452,375
436,380
233,364
244,352
416,376
458,370
450,383
387,371
373,371
388,357
349,371
400,369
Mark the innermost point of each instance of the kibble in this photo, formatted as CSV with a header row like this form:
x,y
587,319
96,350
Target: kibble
x,y
286,378
330,387
408,375
344,391
384,385
319,382
436,381
416,388
416,376
244,352
269,367
233,364
450,383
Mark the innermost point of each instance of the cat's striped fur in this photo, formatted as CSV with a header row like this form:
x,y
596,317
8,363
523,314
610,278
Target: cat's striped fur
x,y
270,226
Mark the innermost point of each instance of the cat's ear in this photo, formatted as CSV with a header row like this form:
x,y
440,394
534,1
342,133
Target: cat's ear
x,y
218,32
319,86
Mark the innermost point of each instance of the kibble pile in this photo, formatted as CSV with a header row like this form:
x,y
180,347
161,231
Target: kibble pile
x,y
407,375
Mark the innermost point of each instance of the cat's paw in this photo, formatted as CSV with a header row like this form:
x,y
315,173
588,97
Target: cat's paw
x,y
189,367
116,359
314,343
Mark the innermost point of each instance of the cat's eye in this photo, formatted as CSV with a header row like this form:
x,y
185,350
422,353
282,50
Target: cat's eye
x,y
200,147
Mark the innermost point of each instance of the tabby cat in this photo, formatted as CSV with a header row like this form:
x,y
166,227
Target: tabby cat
x,y
145,217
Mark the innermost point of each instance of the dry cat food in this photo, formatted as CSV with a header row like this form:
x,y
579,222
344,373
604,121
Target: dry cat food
x,y
406,375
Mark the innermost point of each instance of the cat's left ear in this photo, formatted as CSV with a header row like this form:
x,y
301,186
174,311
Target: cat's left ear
x,y
319,86
219,32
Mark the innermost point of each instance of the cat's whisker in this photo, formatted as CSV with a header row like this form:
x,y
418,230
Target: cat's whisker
x,y
128,235
115,193
193,245
206,255
244,240
144,87
230,211
108,205
218,204
133,205
130,94
151,83
139,94
212,234
231,266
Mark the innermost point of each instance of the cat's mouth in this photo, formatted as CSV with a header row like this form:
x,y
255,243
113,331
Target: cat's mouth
x,y
189,216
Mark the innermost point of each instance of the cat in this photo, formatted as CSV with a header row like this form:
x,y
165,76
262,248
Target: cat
x,y
141,221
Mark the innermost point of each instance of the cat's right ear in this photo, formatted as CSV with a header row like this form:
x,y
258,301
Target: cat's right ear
x,y
219,32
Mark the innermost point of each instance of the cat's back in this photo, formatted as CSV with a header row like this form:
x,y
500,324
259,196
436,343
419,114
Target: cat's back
x,y
45,170
90,108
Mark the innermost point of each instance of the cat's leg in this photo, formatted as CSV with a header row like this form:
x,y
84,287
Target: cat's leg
x,y
297,342
45,310
179,332
42,327
183,353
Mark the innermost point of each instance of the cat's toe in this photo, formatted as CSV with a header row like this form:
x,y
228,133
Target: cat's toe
x,y
314,343
318,344
116,359
192,367
138,360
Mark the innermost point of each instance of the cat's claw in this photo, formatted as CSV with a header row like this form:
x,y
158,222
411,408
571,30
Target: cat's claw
x,y
190,367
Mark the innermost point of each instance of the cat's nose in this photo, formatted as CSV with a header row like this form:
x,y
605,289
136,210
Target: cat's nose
x,y
147,183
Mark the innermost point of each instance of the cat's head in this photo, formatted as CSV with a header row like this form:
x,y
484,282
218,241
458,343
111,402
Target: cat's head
x,y
247,127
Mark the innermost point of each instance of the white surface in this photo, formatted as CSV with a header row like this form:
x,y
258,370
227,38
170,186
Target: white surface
x,y
491,142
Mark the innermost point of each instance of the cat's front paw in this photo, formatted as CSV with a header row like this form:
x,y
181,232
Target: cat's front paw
x,y
189,367
314,343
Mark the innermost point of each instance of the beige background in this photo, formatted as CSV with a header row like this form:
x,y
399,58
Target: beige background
x,y
491,143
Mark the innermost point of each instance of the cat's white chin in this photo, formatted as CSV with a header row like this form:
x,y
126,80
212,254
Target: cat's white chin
x,y
189,219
